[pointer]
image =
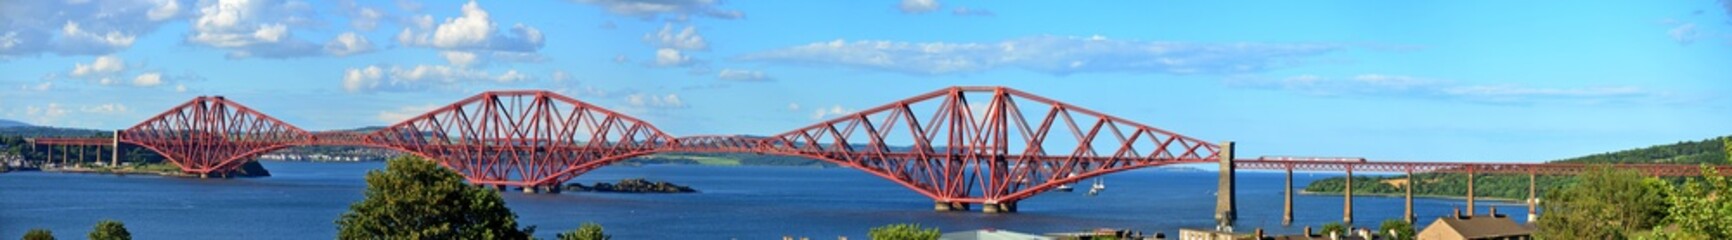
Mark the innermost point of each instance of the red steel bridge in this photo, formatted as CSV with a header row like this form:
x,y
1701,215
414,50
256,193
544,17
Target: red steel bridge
x,y
960,146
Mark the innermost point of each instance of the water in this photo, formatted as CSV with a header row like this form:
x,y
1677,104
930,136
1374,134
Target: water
x,y
303,200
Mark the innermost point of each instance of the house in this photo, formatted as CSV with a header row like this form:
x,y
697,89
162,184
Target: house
x,y
991,234
1495,226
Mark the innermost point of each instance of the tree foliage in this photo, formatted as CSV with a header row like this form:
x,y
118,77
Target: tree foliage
x,y
39,234
588,231
110,230
903,232
1396,229
1604,204
415,199
1334,228
1508,186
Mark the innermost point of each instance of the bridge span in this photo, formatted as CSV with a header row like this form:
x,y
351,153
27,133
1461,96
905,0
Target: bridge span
x,y
960,146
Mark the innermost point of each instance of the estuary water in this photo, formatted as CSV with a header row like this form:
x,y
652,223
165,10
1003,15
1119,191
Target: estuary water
x,y
303,199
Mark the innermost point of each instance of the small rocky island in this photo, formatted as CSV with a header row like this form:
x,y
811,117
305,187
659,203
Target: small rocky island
x,y
634,185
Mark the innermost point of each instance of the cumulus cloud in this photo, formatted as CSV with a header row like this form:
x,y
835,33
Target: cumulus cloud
x,y
249,28
1046,54
742,75
348,43
473,31
679,9
101,66
918,6
642,100
1379,85
668,37
387,78
49,114
668,57
30,28
150,79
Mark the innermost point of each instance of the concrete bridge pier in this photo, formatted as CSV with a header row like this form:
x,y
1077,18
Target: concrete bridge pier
x,y
1000,207
1347,197
943,206
1470,190
1287,196
1533,213
1407,199
1226,206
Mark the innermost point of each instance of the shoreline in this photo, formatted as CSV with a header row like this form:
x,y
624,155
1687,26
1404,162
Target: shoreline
x,y
1416,196
114,172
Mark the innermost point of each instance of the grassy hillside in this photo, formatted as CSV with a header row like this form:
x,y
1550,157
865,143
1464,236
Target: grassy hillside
x,y
1709,151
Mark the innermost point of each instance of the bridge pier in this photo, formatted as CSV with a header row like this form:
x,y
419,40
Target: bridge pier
x,y
1470,190
943,206
1287,196
1001,207
1533,213
1347,196
1407,199
1226,206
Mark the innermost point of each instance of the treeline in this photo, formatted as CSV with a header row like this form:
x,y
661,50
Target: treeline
x,y
1508,186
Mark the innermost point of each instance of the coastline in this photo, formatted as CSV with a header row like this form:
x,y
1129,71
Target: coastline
x,y
1397,195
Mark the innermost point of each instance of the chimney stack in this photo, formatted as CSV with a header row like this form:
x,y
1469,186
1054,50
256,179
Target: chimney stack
x,y
1494,212
1259,233
1308,231
1457,213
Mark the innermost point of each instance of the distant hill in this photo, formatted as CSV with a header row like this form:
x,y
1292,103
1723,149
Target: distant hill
x,y
1709,151
12,123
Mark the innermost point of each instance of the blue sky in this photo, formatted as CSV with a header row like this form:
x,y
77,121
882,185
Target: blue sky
x,y
1456,81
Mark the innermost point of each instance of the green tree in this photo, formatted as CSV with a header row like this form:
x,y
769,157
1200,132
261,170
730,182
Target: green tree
x,y
903,232
588,231
39,234
415,199
1402,230
110,230
1604,204
1334,227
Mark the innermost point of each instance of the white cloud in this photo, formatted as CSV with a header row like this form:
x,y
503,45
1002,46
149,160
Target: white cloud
x,y
620,58
394,116
168,9
150,79
30,28
254,28
1683,33
473,31
180,88
966,11
560,76
45,115
1405,86
101,66
1047,54
834,111
379,78
918,6
348,43
687,39
680,9
792,107
459,58
642,100
108,108
671,57
742,75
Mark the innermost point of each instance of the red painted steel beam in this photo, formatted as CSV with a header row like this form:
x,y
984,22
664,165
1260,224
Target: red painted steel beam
x,y
1478,167
73,141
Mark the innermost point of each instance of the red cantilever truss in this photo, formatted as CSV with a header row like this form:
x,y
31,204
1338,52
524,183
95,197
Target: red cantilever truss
x,y
212,134
522,138
987,144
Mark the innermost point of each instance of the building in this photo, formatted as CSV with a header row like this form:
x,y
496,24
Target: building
x,y
991,234
1495,226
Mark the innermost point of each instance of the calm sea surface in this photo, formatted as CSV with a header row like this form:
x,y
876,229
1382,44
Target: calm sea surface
x,y
303,199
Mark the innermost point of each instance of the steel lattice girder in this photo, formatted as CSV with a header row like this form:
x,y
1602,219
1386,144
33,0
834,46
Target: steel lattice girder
x,y
212,134
1463,167
522,138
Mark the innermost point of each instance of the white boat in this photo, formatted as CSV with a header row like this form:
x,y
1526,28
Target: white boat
x,y
1064,188
1098,187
